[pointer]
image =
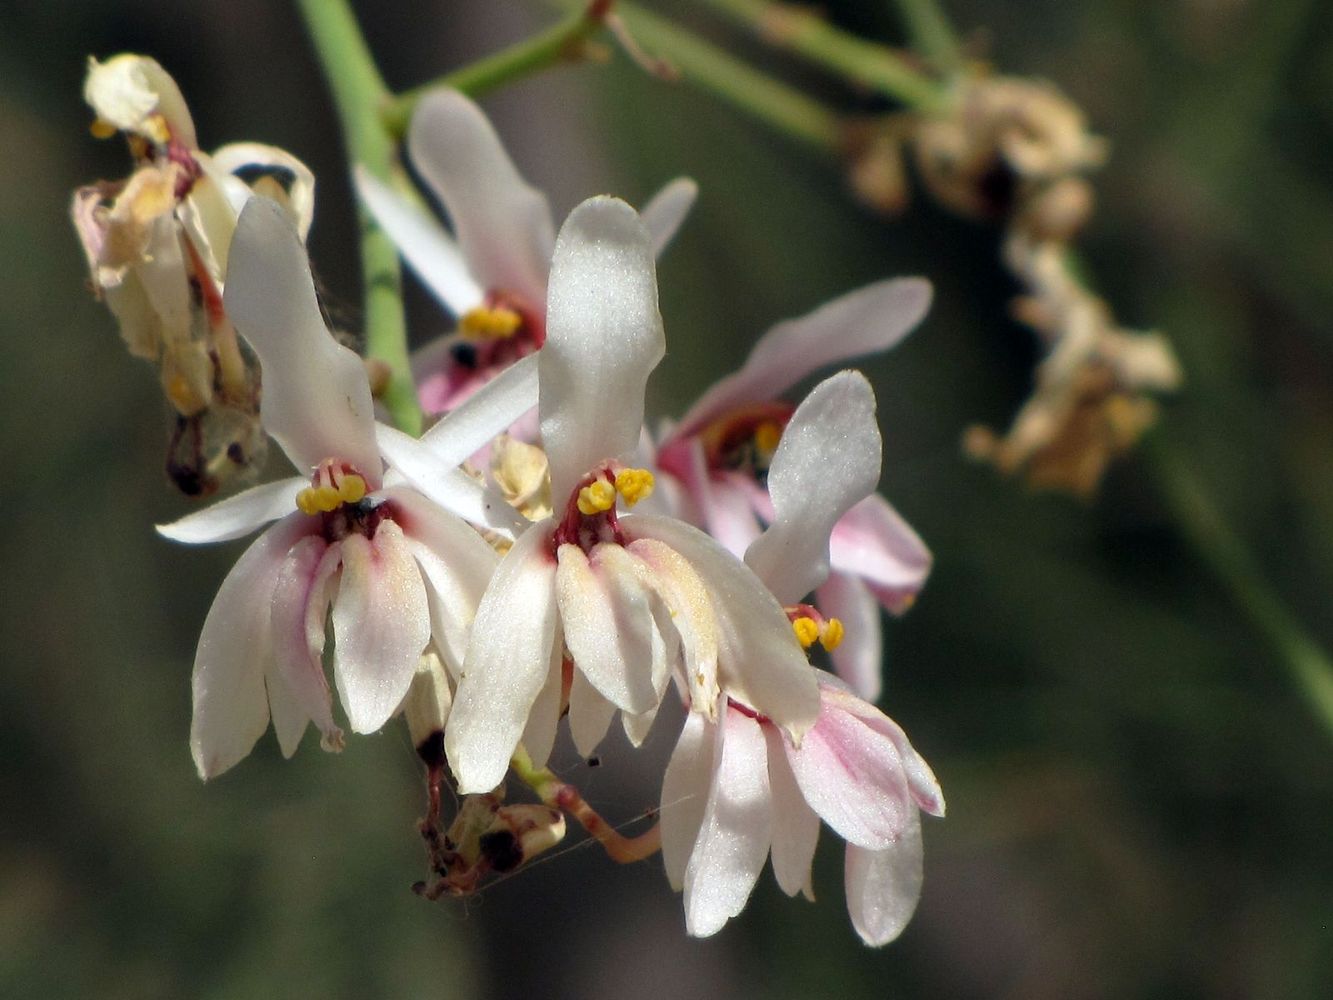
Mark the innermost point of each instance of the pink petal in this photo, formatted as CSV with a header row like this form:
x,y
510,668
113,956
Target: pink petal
x,y
300,606
381,623
237,515
883,886
859,656
491,410
795,824
603,338
866,321
685,795
873,542
729,512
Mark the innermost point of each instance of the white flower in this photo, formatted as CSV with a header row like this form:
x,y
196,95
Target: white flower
x,y
397,571
491,274
634,598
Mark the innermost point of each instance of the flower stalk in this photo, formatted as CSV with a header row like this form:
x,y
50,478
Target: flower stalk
x,y
930,33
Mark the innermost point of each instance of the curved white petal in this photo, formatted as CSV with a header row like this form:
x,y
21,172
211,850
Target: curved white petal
x,y
250,161
760,663
544,718
381,623
866,321
456,563
827,461
608,624
235,649
447,485
873,541
507,663
236,516
603,338
487,412
300,606
883,887
795,824
428,249
503,224
858,658
726,506
590,715
734,837
316,396
666,211
685,795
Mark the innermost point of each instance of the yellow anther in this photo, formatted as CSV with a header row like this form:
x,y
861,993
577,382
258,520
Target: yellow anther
x,y
305,501
634,484
318,499
352,488
831,635
156,128
596,497
102,129
767,435
489,323
807,631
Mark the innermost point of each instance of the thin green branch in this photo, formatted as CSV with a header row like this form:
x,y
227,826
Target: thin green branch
x,y
1224,553
561,43
358,94
930,33
867,64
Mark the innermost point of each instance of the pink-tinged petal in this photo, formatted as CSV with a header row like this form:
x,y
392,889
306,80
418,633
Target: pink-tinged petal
x,y
503,224
508,661
666,211
608,624
431,252
236,516
858,658
729,513
447,485
590,715
795,824
735,834
487,412
685,795
603,338
316,401
235,648
456,563
866,321
853,777
827,461
300,606
759,662
381,623
883,886
544,718
873,541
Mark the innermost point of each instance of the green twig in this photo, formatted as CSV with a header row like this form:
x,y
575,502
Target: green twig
x,y
358,95
563,42
1223,552
930,33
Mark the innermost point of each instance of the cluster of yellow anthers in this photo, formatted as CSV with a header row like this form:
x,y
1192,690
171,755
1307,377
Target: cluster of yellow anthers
x,y
828,632
489,323
600,495
332,487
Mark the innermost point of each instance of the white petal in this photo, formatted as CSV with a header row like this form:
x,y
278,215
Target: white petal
x,y
236,516
608,624
734,838
428,249
859,656
316,397
866,321
827,461
795,824
637,727
873,541
503,224
456,563
487,412
590,715
603,338
730,514
447,485
507,663
381,623
667,210
299,607
544,718
685,795
760,662
235,647
883,887
126,89
255,158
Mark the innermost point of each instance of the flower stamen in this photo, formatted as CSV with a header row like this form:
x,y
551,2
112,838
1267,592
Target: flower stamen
x,y
597,497
634,485
489,323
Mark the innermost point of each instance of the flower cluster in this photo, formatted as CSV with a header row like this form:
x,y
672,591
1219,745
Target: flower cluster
x,y
537,555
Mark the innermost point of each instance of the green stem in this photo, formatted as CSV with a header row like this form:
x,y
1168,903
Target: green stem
x,y
358,94
931,34
563,42
868,64
1223,552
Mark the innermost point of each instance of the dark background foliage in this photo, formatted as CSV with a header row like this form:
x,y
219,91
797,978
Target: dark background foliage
x,y
1139,803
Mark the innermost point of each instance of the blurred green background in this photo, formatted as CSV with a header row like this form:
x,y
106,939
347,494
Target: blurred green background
x,y
1140,805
